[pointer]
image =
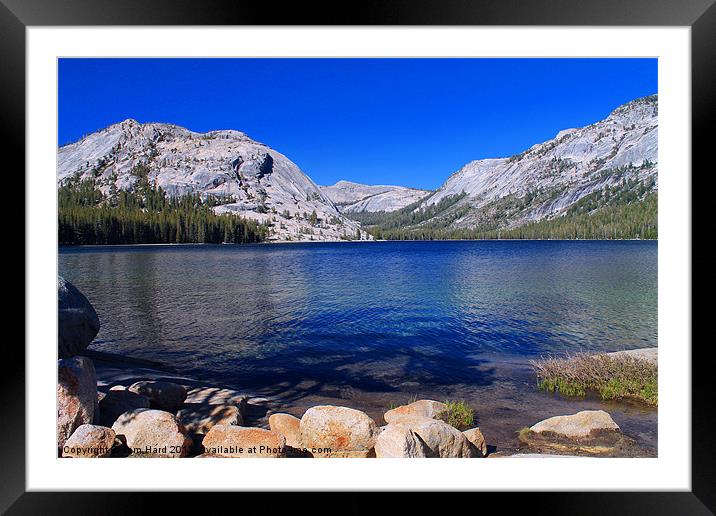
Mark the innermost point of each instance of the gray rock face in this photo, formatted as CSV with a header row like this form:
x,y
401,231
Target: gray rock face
x,y
549,177
581,424
77,321
76,396
356,198
248,178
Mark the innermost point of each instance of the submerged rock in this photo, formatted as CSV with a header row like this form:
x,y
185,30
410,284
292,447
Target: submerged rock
x,y
580,424
398,441
217,396
199,418
152,433
162,395
77,321
89,441
76,395
330,431
423,408
288,426
240,441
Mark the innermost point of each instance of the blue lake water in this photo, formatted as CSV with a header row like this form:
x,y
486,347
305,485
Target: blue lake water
x,y
350,319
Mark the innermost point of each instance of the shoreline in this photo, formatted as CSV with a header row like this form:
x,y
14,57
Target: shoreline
x,y
502,408
292,242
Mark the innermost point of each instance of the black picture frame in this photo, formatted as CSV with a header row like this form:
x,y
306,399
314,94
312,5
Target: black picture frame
x,y
699,15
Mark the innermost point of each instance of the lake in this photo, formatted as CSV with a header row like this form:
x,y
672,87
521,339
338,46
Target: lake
x,y
378,323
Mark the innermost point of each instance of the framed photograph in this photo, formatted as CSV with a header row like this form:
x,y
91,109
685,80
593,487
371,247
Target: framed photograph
x,y
449,231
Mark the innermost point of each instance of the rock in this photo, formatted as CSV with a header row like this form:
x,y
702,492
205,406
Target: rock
x,y
288,426
240,441
329,431
581,424
217,396
76,396
475,436
650,355
162,395
117,402
89,441
223,163
152,433
440,439
397,441
423,408
199,418
77,321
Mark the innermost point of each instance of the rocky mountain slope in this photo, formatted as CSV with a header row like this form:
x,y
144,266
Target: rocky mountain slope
x,y
357,198
607,164
243,176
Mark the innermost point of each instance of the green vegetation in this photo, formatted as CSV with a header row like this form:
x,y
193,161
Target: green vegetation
x,y
627,210
146,215
407,216
458,414
613,377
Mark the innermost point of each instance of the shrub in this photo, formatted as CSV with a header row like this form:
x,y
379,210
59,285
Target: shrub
x,y
612,376
458,414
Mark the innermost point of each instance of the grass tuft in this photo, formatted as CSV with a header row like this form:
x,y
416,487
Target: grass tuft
x,y
458,414
612,376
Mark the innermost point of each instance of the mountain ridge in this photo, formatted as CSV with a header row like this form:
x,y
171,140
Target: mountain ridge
x,y
613,158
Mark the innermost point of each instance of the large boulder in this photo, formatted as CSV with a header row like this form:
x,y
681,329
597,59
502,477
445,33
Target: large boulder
x,y
77,320
116,402
397,441
199,418
152,433
162,395
474,435
240,441
76,396
590,432
89,441
440,439
581,424
288,426
423,408
329,431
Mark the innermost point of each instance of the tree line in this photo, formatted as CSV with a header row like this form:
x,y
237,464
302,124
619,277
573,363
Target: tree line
x,y
145,215
636,219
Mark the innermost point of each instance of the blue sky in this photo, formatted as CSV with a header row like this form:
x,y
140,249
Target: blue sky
x,y
410,122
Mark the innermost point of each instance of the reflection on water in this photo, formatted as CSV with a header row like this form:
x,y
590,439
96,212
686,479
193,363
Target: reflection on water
x,y
367,316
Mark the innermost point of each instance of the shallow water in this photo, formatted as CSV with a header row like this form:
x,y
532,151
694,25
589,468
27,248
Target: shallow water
x,y
377,323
